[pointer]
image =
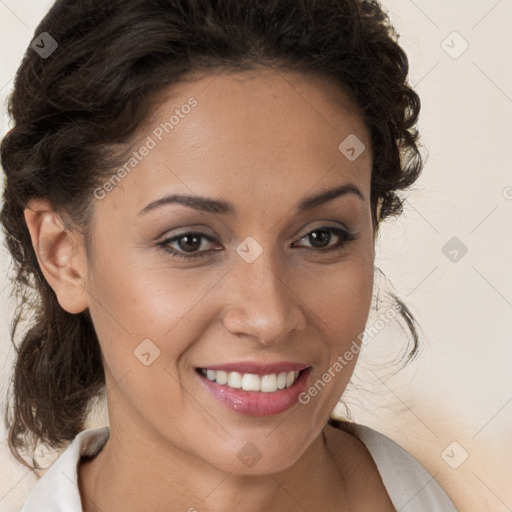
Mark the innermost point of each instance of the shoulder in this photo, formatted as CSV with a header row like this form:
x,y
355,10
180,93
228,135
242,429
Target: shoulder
x,y
57,489
409,485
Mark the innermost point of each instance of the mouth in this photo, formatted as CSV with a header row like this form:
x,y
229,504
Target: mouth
x,y
255,394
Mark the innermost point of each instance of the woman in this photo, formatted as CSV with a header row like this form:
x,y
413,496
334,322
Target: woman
x,y
194,187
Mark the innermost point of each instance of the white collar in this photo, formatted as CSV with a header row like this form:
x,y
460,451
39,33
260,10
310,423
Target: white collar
x,y
57,490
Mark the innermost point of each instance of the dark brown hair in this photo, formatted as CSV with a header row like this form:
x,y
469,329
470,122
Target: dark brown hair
x,y
95,90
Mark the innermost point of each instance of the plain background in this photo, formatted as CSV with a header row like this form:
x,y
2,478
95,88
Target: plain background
x,y
451,407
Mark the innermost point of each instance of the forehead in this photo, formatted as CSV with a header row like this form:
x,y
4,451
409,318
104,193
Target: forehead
x,y
253,134
259,104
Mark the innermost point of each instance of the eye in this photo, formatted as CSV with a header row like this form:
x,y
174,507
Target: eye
x,y
187,243
321,236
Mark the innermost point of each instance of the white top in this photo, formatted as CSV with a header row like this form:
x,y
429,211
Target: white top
x,y
409,485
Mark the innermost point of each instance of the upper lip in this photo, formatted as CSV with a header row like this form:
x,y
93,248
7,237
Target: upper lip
x,y
258,368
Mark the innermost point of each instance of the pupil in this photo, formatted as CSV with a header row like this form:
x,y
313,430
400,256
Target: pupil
x,y
323,237
190,246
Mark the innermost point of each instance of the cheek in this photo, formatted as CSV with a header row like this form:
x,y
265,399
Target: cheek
x,y
146,320
132,303
340,298
340,303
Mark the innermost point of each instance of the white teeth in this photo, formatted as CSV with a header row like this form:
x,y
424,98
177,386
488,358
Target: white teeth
x,y
234,380
250,382
269,383
222,377
281,380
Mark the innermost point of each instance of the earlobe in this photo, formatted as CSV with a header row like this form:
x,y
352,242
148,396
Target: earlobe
x,y
59,253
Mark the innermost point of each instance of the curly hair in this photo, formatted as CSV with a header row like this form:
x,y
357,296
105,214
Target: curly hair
x,y
96,89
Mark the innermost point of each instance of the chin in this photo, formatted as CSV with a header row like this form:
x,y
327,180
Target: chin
x,y
255,456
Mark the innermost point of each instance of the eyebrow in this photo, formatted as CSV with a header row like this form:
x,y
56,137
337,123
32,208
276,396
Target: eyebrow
x,y
217,206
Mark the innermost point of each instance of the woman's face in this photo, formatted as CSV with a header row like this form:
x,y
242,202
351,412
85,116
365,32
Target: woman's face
x,y
253,284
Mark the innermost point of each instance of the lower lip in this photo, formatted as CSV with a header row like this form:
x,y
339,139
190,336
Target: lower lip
x,y
257,403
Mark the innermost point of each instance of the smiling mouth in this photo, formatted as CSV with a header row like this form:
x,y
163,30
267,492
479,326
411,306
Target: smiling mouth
x,y
268,383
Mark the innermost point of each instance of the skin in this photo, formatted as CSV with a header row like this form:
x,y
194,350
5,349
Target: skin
x,y
261,140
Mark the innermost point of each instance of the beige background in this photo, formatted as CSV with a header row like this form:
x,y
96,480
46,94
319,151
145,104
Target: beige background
x,y
460,388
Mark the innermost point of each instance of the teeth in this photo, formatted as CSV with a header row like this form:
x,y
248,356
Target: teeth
x,y
221,378
281,380
234,380
269,383
251,382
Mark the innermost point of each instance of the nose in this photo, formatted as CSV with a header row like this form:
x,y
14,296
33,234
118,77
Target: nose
x,y
263,303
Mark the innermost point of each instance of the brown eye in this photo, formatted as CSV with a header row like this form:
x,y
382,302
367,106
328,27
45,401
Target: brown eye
x,y
187,244
320,238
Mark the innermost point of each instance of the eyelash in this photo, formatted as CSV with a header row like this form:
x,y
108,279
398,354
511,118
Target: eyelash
x,y
345,236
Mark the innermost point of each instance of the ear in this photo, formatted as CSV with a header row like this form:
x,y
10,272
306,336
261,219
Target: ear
x,y
60,254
